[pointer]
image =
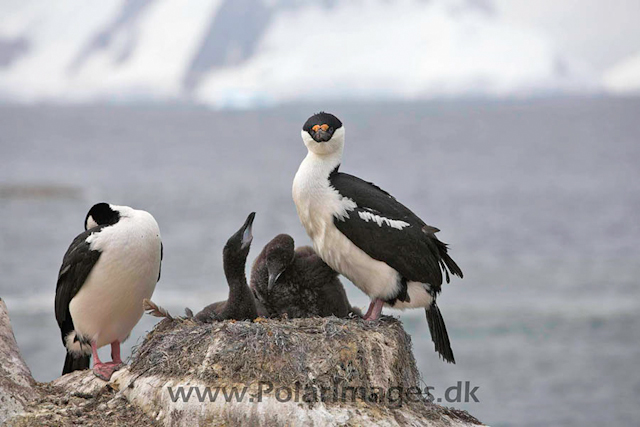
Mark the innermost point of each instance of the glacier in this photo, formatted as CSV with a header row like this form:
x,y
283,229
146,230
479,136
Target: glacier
x,y
248,53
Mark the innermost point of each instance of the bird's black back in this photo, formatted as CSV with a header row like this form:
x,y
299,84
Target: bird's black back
x,y
414,251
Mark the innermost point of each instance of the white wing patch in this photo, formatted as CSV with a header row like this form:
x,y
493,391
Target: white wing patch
x,y
380,220
343,207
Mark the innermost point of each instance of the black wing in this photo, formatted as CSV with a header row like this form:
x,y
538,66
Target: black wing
x,y
414,251
76,266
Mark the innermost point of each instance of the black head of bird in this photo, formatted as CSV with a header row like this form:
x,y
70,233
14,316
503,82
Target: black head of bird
x,y
280,252
101,214
237,248
322,126
323,134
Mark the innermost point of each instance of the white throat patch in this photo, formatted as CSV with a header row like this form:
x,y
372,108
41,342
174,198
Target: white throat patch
x,y
334,145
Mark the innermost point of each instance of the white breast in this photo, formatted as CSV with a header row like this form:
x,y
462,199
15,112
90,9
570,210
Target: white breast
x,y
317,204
109,304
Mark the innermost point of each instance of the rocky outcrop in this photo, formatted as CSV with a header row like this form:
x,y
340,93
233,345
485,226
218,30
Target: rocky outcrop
x,y
319,371
17,387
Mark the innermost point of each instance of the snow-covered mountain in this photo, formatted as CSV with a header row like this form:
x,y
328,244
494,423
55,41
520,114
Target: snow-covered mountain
x,y
255,52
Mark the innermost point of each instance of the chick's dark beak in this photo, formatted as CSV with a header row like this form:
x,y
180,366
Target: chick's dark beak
x,y
247,235
273,278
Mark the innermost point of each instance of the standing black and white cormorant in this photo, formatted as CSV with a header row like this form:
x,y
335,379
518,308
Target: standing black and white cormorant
x,y
368,236
296,282
240,305
106,274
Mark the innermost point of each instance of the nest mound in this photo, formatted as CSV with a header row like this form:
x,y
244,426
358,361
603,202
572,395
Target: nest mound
x,y
318,351
356,362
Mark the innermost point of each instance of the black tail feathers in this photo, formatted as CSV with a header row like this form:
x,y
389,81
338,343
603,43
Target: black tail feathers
x,y
76,363
451,264
439,334
447,263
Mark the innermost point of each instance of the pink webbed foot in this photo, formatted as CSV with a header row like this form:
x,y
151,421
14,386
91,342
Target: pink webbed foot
x,y
104,371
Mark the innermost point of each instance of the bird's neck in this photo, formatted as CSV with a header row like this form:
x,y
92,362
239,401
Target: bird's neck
x,y
312,193
234,270
318,167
